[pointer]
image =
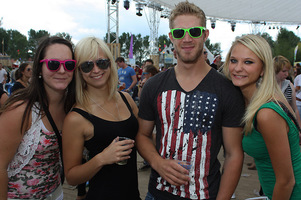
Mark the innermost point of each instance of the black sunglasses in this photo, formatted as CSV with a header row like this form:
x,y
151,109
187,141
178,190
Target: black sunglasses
x,y
194,32
87,66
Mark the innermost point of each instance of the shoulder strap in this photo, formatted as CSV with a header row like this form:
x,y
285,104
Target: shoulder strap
x,y
288,112
59,138
83,113
125,101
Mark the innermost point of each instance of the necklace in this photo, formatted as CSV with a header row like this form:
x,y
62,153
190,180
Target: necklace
x,y
108,111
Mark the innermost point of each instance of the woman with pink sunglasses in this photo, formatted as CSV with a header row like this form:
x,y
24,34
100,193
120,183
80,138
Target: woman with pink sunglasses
x,y
30,125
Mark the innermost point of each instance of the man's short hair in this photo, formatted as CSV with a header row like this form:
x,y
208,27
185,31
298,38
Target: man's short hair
x,y
149,60
119,59
186,8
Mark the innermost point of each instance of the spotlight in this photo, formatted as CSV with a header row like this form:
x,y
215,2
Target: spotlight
x,y
138,13
213,23
126,4
139,9
233,25
113,1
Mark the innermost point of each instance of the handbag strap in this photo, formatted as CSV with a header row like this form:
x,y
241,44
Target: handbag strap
x,y
58,135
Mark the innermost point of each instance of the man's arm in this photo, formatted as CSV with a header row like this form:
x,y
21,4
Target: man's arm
x,y
232,138
134,78
5,78
170,170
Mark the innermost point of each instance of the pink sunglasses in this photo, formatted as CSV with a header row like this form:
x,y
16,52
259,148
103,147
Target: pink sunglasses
x,y
54,64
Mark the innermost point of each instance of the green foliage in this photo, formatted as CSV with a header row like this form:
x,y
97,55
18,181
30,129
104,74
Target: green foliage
x,y
285,44
4,38
163,41
270,40
125,40
112,37
12,40
34,37
215,48
140,46
17,45
64,35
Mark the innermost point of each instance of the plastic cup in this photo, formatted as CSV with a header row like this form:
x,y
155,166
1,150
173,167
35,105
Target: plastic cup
x,y
123,162
184,161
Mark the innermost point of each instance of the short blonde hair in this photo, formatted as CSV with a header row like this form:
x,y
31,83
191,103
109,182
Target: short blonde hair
x,y
268,88
88,49
186,8
280,62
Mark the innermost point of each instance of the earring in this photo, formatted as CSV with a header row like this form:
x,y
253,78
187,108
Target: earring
x,y
258,82
40,76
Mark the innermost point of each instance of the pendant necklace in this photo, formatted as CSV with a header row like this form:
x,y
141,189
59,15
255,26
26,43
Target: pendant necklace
x,y
108,111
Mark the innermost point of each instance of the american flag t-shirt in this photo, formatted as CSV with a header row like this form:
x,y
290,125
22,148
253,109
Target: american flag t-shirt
x,y
186,122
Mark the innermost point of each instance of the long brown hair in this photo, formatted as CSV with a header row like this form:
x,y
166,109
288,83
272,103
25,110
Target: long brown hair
x,y
35,92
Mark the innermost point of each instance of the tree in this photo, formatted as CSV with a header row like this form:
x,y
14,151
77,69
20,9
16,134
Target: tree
x,y
163,42
215,48
4,38
64,35
17,45
285,44
138,47
124,40
112,37
34,37
270,40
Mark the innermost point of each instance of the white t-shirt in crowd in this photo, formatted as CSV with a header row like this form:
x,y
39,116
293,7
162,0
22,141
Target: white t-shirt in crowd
x,y
2,73
297,82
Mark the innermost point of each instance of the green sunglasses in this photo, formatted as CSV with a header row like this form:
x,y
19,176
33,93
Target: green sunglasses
x,y
194,32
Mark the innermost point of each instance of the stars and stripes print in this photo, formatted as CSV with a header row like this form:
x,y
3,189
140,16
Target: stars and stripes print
x,y
186,121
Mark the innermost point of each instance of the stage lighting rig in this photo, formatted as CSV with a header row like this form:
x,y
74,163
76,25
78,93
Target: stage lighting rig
x,y
139,8
233,25
213,21
126,4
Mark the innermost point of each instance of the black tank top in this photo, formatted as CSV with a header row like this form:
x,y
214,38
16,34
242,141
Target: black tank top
x,y
112,181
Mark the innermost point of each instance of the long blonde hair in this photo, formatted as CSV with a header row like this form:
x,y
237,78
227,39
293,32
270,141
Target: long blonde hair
x,y
268,89
88,49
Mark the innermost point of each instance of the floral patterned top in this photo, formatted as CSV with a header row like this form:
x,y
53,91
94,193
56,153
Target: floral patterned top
x,y
34,171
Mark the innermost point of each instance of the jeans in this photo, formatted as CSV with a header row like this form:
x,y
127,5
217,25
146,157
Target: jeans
x,y
149,196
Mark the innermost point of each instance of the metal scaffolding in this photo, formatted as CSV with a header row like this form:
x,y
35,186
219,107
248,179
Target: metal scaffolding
x,y
153,14
113,21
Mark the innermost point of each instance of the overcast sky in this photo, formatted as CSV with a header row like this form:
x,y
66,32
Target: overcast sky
x,y
81,18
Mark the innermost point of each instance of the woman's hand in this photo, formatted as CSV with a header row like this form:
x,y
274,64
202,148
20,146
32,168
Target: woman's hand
x,y
117,151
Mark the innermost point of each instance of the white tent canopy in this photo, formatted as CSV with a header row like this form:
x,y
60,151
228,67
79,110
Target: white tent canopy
x,y
253,11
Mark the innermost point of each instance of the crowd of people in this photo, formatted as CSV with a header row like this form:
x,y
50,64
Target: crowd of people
x,y
73,115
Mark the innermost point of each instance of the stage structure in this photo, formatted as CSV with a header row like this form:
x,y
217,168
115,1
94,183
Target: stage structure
x,y
153,12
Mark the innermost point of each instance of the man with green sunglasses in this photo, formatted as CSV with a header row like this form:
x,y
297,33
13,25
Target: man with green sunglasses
x,y
194,32
195,110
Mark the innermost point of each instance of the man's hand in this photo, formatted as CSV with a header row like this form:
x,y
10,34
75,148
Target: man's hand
x,y
172,172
